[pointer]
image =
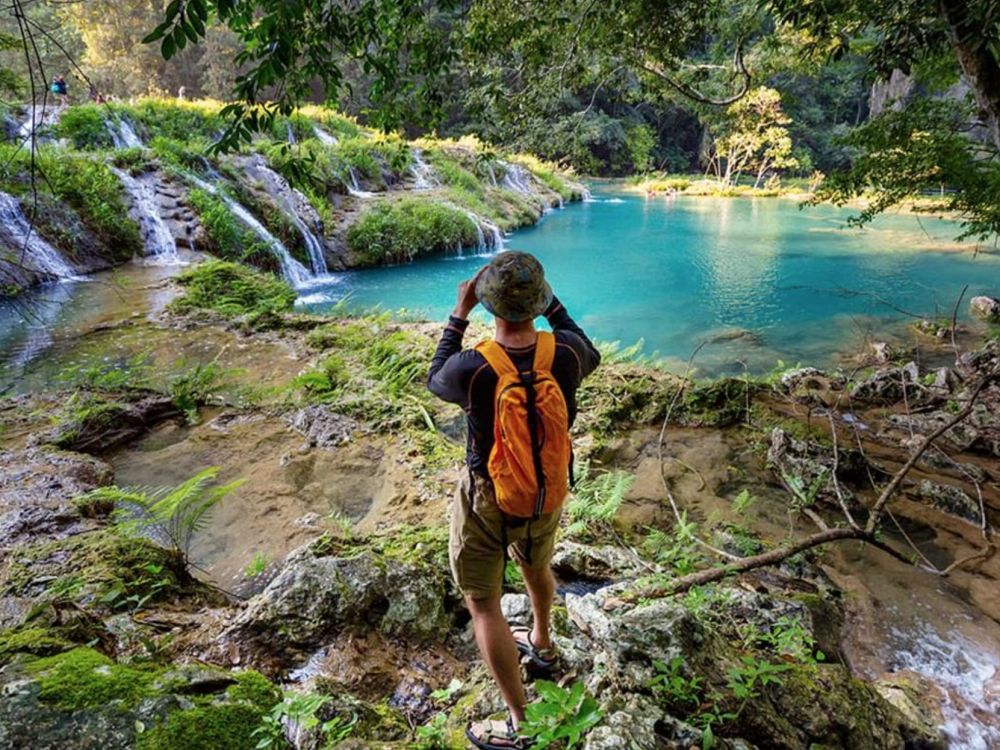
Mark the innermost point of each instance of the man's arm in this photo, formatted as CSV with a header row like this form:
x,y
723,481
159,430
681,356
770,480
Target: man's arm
x,y
446,376
560,320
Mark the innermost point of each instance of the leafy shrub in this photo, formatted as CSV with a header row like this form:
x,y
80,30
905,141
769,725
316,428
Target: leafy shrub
x,y
86,126
401,231
559,716
173,514
596,500
176,119
232,290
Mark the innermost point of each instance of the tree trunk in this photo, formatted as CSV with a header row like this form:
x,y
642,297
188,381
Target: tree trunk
x,y
980,67
760,174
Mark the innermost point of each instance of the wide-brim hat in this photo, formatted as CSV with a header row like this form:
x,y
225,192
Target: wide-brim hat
x,y
513,287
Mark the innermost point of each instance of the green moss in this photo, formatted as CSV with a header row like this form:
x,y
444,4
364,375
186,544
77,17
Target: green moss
x,y
34,641
98,569
400,231
254,689
232,290
220,727
414,545
84,678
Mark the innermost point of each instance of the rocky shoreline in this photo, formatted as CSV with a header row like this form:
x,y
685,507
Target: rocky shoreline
x,y
111,639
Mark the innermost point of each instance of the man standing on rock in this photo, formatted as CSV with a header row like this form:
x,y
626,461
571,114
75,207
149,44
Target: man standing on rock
x,y
518,391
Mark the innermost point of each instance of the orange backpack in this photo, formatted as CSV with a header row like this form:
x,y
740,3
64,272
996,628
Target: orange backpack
x,y
531,456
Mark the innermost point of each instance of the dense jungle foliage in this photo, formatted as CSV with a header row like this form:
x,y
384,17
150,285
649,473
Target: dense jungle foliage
x,y
621,87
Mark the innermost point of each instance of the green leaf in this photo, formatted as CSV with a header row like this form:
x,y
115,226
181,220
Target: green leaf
x,y
168,47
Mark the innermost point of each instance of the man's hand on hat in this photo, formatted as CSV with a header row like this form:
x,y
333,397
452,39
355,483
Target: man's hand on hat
x,y
467,299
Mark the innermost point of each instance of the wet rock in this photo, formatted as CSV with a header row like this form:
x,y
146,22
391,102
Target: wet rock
x,y
322,427
985,307
740,335
813,465
516,608
916,697
573,561
889,385
949,498
882,352
639,724
979,432
933,328
979,362
318,596
104,425
37,487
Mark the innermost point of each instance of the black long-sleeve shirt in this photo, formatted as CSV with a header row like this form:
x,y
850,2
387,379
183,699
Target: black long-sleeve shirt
x,y
464,377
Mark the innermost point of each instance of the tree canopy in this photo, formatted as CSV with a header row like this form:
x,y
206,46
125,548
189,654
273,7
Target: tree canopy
x,y
616,86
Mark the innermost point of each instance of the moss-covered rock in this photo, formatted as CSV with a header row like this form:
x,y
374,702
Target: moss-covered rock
x,y
82,700
395,582
101,571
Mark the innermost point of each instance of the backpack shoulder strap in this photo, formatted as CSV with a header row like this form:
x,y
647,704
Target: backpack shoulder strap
x,y
545,351
497,358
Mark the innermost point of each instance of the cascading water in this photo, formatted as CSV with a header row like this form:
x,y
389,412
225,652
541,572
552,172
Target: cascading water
x,y
324,137
291,270
354,187
33,251
482,246
293,204
157,238
122,133
423,173
37,118
516,178
289,132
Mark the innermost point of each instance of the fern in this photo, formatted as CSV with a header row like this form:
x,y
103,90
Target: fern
x,y
596,500
169,514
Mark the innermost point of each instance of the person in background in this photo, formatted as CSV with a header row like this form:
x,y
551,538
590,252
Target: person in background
x,y
60,89
519,394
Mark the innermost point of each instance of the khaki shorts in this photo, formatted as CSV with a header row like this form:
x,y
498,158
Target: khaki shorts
x,y
476,539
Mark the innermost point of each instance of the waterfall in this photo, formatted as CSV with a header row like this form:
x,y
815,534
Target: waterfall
x,y
516,178
290,133
324,137
29,131
423,173
122,134
156,237
482,246
354,187
314,246
291,270
493,174
293,204
35,253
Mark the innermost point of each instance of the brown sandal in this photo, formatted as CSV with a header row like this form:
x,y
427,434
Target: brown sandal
x,y
495,735
541,658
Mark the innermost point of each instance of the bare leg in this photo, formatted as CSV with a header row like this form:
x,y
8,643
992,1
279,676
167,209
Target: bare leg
x,y
541,590
498,649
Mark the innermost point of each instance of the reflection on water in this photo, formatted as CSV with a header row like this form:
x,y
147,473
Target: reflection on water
x,y
677,271
36,325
